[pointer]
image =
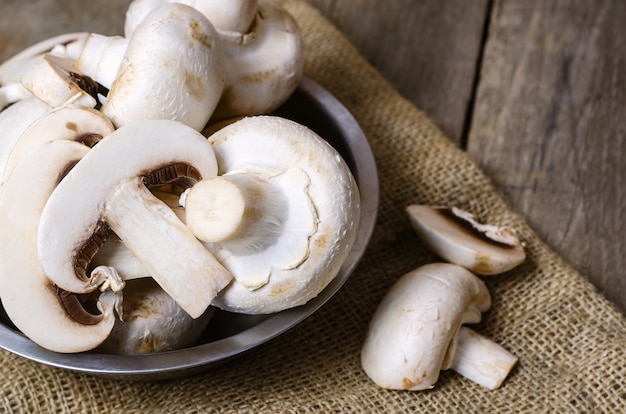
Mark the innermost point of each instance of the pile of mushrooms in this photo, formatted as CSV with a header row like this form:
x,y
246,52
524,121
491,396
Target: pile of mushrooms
x,y
418,329
123,226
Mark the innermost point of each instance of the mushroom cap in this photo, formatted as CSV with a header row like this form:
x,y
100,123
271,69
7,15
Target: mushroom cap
x,y
30,299
269,146
153,322
411,334
172,70
264,66
457,238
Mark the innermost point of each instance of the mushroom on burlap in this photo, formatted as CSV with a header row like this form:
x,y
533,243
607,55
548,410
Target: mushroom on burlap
x,y
417,331
108,188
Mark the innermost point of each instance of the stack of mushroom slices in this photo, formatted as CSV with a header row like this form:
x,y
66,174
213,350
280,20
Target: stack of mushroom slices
x,y
125,223
418,328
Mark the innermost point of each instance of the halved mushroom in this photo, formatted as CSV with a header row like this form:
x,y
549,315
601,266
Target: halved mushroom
x,y
416,332
50,317
288,210
455,236
172,69
109,188
81,124
153,322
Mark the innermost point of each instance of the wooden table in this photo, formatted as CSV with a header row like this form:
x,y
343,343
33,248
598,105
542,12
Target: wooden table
x,y
533,90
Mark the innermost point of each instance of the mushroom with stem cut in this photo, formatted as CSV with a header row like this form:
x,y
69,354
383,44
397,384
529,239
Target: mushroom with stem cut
x,y
416,332
109,188
171,69
287,209
49,316
455,236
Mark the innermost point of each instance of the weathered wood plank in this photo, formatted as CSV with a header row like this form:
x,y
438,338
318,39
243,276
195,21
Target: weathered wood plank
x,y
427,49
549,127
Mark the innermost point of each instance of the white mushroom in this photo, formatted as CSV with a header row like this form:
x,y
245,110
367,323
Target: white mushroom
x,y
101,57
416,331
81,124
455,236
109,188
263,65
230,16
287,210
46,314
153,322
172,69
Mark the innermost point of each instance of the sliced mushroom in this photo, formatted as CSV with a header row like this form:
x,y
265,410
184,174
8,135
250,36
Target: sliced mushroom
x,y
295,217
12,93
153,322
172,69
46,314
416,332
455,236
80,124
109,188
53,80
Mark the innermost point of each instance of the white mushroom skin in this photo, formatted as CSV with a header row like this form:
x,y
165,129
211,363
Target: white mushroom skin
x,y
172,70
31,300
413,333
153,322
274,148
456,237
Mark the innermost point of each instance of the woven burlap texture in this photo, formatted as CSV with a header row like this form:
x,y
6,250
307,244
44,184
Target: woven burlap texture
x,y
568,338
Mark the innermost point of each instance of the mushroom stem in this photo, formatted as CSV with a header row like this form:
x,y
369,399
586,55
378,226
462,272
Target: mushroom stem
x,y
481,360
139,218
236,206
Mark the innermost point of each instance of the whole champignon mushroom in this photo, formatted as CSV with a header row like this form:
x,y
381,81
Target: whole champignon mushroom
x,y
416,332
263,61
81,124
172,69
109,188
455,236
47,315
153,322
288,211
230,16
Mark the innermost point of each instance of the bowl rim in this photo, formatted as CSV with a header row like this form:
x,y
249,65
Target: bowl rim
x,y
204,356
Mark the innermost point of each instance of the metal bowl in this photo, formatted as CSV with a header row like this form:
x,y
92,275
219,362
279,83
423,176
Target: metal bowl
x,y
230,335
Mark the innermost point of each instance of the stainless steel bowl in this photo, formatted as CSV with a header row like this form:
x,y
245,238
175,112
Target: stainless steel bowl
x,y
230,335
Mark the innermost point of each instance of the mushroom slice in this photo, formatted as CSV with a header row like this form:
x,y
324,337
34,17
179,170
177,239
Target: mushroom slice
x,y
69,44
301,211
153,322
48,316
85,125
172,69
263,66
455,236
108,189
11,93
54,80
416,331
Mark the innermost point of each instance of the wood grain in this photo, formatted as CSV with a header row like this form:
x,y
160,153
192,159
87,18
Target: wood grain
x,y
427,49
549,128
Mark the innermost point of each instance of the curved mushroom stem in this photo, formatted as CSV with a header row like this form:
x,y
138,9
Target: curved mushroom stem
x,y
481,360
239,207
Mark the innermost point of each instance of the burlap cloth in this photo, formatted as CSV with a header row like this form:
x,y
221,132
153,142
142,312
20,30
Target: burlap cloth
x,y
570,341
